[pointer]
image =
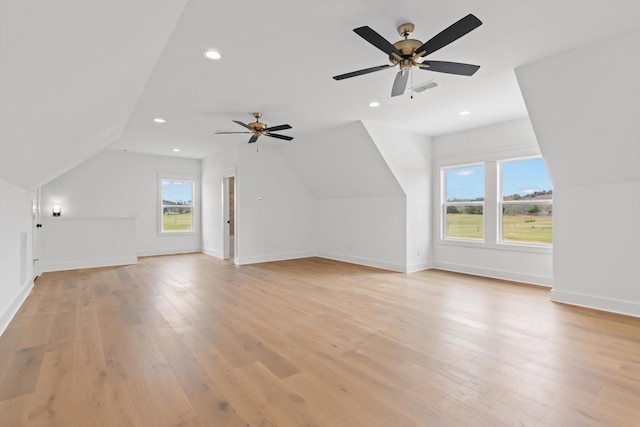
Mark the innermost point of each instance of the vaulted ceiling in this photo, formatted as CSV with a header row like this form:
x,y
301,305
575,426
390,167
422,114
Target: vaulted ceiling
x,y
78,77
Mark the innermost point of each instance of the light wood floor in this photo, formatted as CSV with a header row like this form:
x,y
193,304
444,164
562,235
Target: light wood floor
x,y
191,340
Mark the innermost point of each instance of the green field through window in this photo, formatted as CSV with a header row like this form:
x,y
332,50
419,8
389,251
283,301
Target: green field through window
x,y
177,222
464,226
527,228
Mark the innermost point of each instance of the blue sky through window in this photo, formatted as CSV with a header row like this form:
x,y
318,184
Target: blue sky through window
x,y
177,191
466,183
525,177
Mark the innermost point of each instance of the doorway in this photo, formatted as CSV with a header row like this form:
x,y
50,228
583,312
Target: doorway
x,y
35,234
229,215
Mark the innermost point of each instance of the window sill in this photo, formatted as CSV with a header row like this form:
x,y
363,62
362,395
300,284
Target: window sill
x,y
177,233
508,247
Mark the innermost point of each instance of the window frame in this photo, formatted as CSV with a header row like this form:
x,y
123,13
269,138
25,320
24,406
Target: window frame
x,y
193,180
502,203
444,204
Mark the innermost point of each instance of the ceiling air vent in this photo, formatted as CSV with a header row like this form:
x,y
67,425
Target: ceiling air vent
x,y
424,86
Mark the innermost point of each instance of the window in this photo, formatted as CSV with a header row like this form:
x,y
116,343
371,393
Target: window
x,y
526,202
463,202
177,206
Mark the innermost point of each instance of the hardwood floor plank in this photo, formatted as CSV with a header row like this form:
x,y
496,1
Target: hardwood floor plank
x,y
190,340
22,374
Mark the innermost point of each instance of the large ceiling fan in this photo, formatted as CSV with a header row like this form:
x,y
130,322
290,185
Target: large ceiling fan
x,y
408,53
259,129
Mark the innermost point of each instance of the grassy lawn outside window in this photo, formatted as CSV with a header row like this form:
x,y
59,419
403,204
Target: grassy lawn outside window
x,y
177,206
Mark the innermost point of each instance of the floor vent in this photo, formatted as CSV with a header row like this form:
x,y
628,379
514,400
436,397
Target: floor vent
x,y
424,86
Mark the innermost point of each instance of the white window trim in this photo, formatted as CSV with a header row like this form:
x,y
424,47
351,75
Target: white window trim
x,y
501,203
444,204
490,160
195,203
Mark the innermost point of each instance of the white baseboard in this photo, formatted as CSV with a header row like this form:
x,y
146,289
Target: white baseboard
x,y
364,261
94,263
514,276
170,251
426,265
12,309
211,252
628,308
275,257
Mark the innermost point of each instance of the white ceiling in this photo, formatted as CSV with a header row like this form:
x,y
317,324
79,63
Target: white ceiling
x,y
278,58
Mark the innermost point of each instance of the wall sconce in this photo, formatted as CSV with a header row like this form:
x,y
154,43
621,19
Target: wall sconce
x,y
56,210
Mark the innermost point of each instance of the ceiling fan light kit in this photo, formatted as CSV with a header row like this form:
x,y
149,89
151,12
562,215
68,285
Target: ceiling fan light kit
x,y
409,53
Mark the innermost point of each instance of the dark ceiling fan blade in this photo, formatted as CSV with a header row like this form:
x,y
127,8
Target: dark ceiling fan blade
x,y
450,67
253,139
449,35
275,135
400,83
227,133
377,40
241,124
279,127
361,72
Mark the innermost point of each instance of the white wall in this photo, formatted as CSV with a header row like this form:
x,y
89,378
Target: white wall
x,y
213,169
361,207
116,184
585,113
275,212
363,230
408,156
510,139
72,243
15,219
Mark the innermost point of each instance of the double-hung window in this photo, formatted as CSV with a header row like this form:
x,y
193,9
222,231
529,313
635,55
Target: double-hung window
x,y
525,202
177,205
463,202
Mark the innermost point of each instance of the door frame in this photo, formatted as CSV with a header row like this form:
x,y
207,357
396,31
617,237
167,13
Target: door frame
x,y
36,214
226,207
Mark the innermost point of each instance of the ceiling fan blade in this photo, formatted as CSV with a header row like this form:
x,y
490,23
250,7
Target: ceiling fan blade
x,y
227,133
241,124
275,135
361,72
253,139
400,83
450,67
449,35
377,40
279,127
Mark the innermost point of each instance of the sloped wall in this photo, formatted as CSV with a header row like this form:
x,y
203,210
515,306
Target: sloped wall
x,y
408,156
585,114
361,207
64,104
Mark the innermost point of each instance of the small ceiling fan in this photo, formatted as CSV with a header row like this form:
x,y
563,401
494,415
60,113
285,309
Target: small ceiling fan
x,y
259,129
408,53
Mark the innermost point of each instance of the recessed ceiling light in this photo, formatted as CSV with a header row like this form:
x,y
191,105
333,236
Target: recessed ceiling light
x,y
464,113
212,54
159,120
374,104
176,149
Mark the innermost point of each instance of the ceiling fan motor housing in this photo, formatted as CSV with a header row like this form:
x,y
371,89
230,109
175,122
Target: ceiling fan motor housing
x,y
408,48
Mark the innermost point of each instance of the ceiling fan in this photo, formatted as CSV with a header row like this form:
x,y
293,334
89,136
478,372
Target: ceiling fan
x,y
259,129
408,53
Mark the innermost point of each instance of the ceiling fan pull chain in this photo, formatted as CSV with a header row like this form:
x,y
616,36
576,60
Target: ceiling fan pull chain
x,y
411,71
